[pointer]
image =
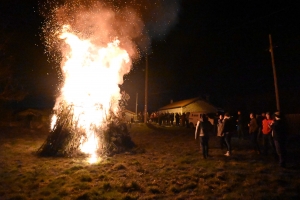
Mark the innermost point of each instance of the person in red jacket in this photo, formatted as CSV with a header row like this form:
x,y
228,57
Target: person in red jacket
x,y
267,134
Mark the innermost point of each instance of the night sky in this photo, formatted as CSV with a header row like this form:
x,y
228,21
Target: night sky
x,y
218,49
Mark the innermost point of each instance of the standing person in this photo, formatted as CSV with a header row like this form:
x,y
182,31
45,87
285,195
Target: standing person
x,y
227,132
220,134
253,130
168,118
183,119
160,118
259,119
177,119
267,134
203,128
279,136
172,118
240,128
187,120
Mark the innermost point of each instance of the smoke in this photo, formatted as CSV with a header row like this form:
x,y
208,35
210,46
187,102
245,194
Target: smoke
x,y
161,18
158,16
134,22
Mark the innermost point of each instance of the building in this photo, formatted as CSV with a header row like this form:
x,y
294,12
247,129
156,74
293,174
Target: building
x,y
189,105
129,116
195,107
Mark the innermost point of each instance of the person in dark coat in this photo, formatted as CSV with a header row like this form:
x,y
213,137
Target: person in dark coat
x,y
259,119
253,131
187,120
172,118
240,123
228,129
203,128
279,135
183,117
177,117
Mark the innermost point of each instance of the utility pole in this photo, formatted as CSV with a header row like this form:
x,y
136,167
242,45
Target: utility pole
x,y
146,90
274,73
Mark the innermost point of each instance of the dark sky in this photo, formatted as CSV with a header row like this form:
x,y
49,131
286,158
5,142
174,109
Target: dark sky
x,y
221,49
216,48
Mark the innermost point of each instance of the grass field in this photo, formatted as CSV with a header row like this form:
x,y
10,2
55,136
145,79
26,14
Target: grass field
x,y
166,164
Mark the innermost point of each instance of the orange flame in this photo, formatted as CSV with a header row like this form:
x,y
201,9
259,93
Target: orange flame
x,y
92,75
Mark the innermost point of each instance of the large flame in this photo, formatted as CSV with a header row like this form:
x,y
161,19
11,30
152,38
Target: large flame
x,y
97,40
92,75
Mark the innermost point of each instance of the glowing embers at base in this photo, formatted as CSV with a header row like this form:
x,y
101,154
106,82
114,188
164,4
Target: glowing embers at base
x,y
90,146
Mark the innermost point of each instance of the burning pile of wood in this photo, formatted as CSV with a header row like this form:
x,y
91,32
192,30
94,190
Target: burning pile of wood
x,y
65,140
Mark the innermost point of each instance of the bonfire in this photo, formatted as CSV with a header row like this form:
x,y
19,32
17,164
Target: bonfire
x,y
94,55
67,138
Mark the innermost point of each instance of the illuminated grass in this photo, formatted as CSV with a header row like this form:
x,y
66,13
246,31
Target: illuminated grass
x,y
171,167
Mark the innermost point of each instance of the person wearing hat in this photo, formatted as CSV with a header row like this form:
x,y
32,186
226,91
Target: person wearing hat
x,y
279,136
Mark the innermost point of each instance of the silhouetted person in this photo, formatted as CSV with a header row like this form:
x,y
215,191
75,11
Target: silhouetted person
x,y
172,119
240,123
253,131
259,119
220,134
160,118
203,128
228,130
183,119
177,117
187,120
279,136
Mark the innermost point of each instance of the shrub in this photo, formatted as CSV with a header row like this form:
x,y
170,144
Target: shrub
x,y
119,167
18,197
154,190
85,178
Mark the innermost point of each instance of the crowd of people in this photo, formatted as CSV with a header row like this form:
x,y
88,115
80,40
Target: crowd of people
x,y
270,131
266,132
167,118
